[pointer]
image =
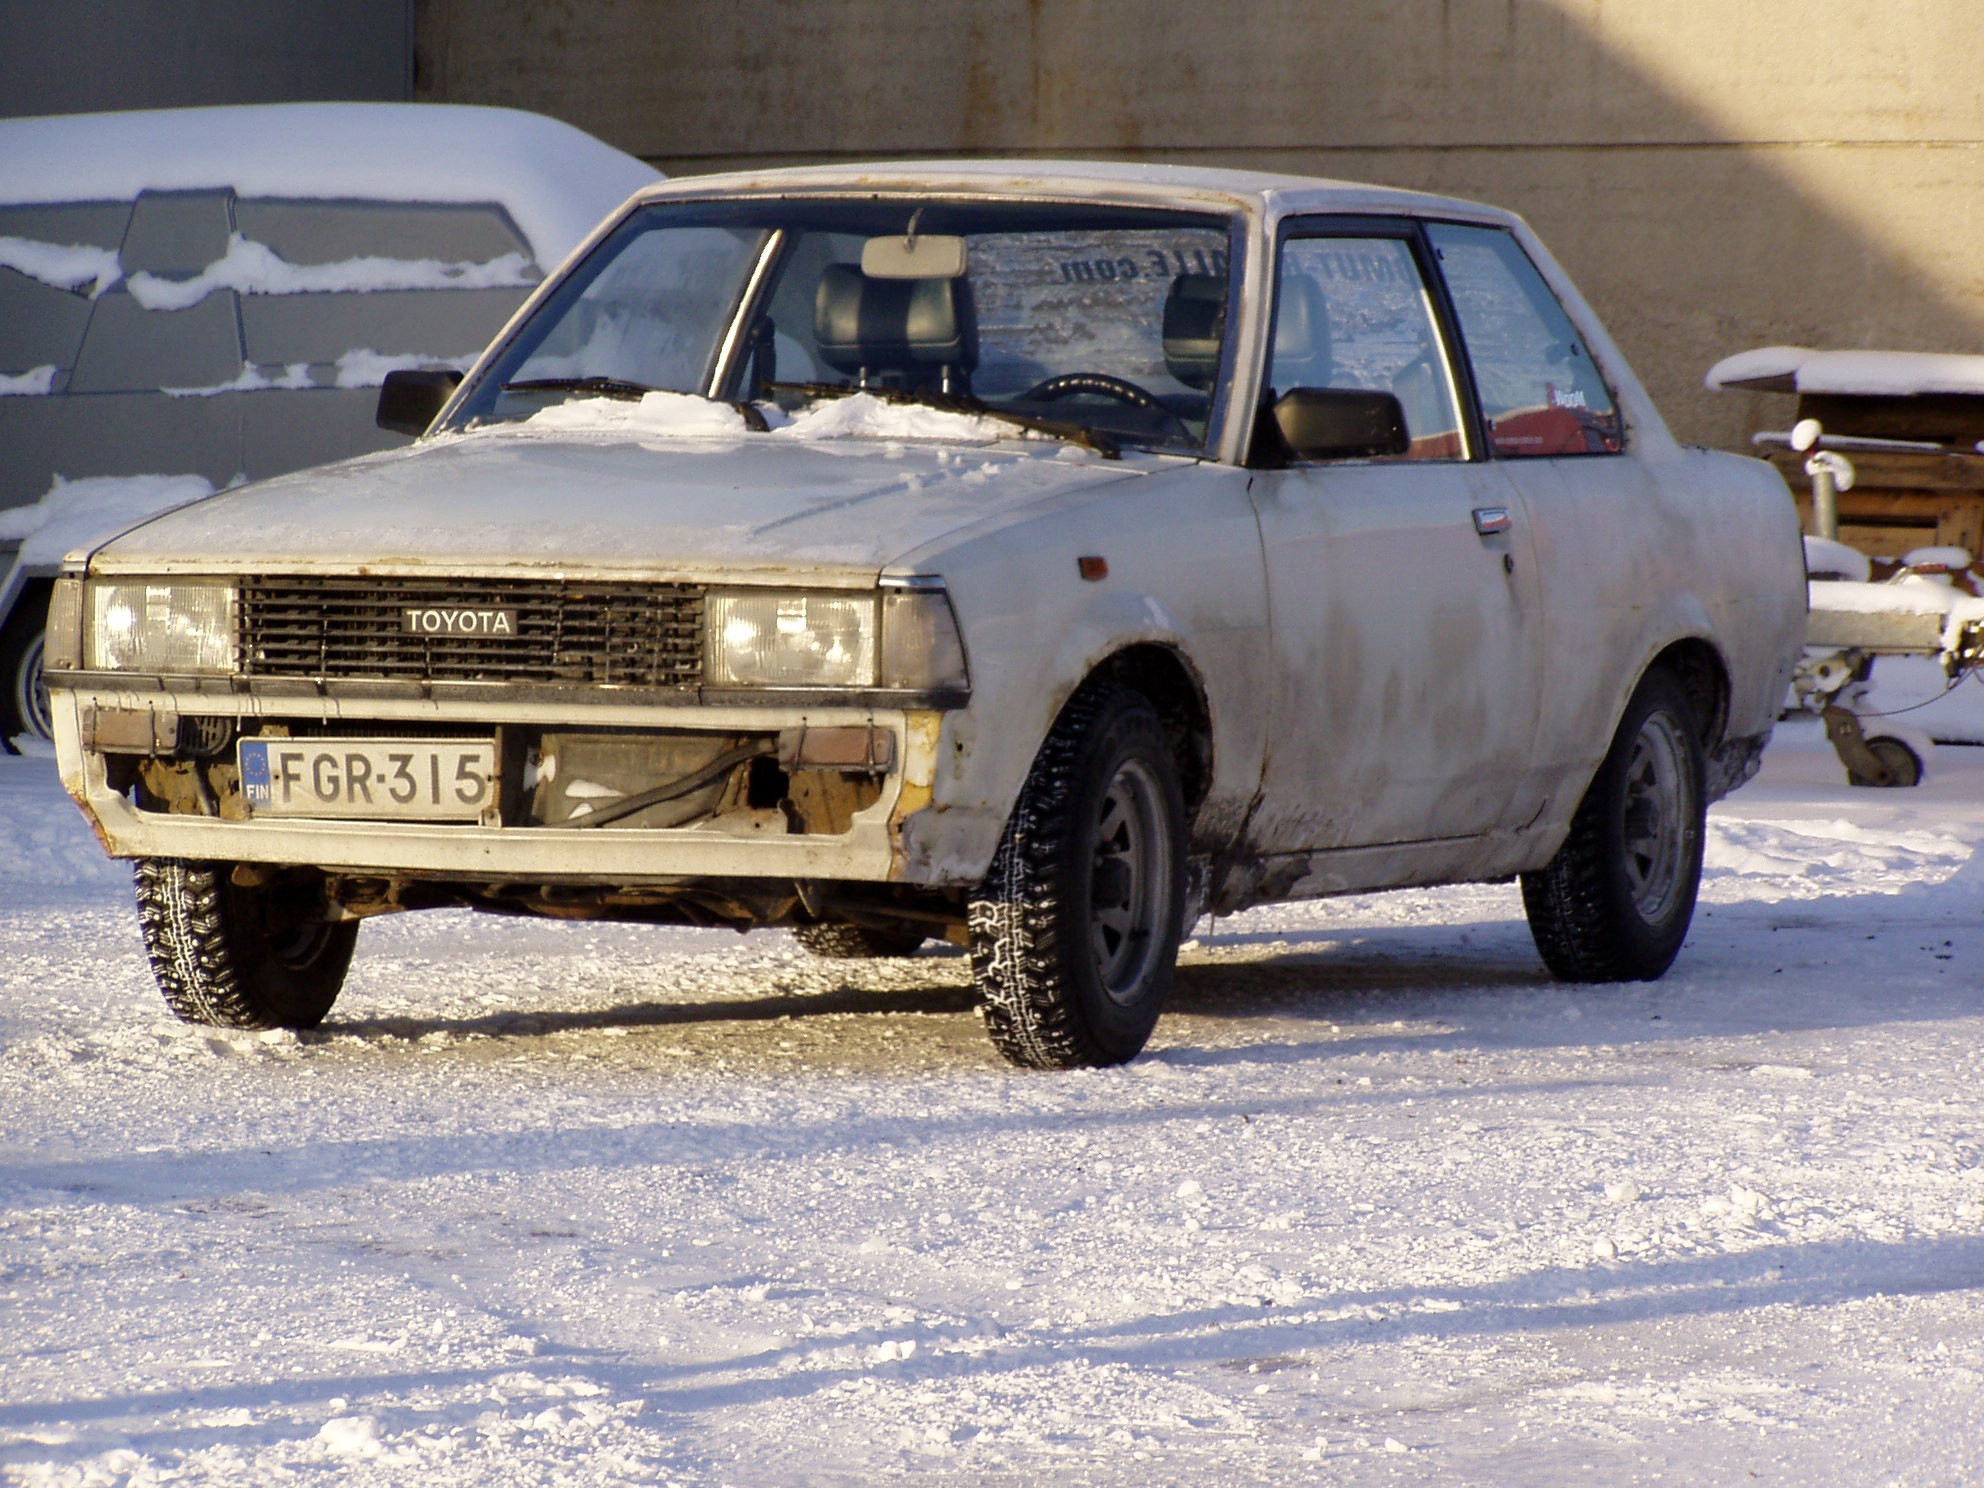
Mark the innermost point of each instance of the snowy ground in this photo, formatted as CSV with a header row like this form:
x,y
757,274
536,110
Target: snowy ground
x,y
559,1204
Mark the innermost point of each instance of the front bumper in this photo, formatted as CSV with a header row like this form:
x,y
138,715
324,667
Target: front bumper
x,y
870,848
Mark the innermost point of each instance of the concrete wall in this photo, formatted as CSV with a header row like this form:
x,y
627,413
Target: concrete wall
x,y
1716,175
82,56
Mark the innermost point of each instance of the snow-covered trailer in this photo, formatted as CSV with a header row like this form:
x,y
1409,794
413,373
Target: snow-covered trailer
x,y
1886,462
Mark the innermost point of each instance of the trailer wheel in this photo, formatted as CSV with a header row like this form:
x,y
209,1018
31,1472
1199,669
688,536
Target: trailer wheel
x,y
1904,765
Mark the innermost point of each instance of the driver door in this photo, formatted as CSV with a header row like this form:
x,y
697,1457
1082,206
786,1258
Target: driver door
x,y
1403,589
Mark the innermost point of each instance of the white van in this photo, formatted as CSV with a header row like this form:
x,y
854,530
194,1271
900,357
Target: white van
x,y
193,298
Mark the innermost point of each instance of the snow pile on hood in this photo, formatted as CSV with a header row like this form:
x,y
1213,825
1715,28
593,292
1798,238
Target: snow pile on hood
x,y
685,416
64,265
669,415
255,268
864,416
555,181
81,513
1800,369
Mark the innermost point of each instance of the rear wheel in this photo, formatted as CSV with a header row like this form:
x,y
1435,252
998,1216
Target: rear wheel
x,y
840,942
1615,903
1075,930
260,955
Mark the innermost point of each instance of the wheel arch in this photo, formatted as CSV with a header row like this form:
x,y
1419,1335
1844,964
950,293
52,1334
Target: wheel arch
x,y
1703,674
1166,677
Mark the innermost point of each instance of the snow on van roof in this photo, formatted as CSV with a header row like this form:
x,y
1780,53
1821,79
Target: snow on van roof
x,y
1800,369
557,182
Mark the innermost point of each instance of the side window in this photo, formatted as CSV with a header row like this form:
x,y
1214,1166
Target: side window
x,y
1353,312
1541,395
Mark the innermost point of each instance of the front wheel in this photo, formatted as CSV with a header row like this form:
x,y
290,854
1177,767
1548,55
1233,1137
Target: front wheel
x,y
1615,903
1075,930
241,955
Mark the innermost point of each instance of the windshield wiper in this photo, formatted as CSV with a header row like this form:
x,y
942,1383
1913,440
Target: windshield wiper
x,y
964,403
633,392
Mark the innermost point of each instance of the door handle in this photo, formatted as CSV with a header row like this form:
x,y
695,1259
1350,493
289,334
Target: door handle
x,y
1489,520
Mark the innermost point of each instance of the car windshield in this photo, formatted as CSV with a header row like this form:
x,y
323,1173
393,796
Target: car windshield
x,y
1104,324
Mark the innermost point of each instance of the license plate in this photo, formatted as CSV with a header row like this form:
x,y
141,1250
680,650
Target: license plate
x,y
369,779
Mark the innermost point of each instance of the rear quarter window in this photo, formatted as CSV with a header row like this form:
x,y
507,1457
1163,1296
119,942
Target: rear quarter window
x,y
1541,394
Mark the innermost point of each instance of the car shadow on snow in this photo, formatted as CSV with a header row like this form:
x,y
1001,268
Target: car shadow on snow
x,y
771,1007
1837,961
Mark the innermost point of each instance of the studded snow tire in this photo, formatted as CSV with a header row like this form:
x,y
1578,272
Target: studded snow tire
x,y
240,956
1075,930
1615,903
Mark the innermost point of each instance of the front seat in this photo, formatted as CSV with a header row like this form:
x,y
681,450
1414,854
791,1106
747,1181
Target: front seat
x,y
896,332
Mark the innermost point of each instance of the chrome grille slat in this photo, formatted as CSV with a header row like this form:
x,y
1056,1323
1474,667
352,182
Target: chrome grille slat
x,y
617,634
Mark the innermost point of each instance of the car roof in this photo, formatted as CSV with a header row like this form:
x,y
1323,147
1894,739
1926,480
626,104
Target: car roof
x,y
1266,193
555,181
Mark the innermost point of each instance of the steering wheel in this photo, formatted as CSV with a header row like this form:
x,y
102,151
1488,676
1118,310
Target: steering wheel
x,y
1102,384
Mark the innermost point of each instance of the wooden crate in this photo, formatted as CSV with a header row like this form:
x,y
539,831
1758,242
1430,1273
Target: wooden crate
x,y
1900,500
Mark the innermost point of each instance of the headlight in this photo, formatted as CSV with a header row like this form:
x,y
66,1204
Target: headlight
x,y
774,638
155,625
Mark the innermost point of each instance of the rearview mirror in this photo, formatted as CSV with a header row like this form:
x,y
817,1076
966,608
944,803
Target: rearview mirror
x,y
1340,424
927,256
410,398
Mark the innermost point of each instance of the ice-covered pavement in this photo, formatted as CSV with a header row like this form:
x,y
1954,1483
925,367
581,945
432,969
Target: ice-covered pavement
x,y
574,1205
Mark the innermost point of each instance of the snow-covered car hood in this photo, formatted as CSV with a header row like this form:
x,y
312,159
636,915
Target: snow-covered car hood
x,y
688,508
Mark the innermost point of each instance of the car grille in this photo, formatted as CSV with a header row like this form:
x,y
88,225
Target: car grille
x,y
567,632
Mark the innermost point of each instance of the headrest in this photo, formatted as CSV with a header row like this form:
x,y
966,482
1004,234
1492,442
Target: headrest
x,y
1302,353
1194,326
893,325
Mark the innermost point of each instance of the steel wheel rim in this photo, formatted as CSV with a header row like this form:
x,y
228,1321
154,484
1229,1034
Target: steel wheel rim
x,y
1128,875
31,703
1655,824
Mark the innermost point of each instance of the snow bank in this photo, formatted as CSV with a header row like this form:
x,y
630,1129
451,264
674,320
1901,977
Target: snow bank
x,y
33,383
1910,597
1824,556
80,513
555,181
1787,369
63,265
255,268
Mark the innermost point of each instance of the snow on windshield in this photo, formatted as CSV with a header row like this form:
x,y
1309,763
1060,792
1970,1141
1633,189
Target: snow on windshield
x,y
1109,318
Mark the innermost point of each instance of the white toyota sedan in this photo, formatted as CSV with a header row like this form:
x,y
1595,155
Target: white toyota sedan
x,y
1033,556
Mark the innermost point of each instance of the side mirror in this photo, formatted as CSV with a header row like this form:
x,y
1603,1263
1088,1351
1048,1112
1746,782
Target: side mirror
x,y
410,398
1340,424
